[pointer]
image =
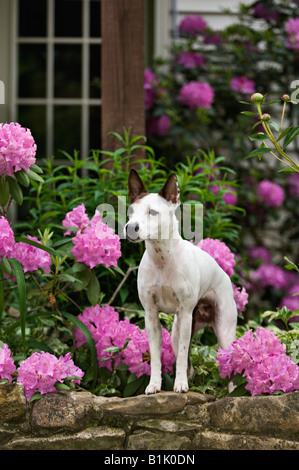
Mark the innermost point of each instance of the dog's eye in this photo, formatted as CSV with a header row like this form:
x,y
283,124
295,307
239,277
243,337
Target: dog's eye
x,y
153,212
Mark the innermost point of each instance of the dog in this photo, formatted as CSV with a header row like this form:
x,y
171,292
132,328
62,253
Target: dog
x,y
175,276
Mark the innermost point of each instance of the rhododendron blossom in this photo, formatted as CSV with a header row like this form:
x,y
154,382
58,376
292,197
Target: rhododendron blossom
x,y
292,29
41,371
190,59
270,194
7,239
196,94
7,365
94,243
109,331
17,148
242,85
220,252
31,257
192,24
262,359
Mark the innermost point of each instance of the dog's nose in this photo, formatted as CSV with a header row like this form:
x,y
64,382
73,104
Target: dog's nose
x,y
132,230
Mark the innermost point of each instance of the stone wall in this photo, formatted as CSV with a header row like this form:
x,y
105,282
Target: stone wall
x,y
166,421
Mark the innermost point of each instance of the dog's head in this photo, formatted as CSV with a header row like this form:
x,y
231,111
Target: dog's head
x,y
151,215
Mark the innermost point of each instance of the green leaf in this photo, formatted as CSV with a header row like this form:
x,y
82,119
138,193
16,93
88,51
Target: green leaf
x,y
18,272
36,168
35,396
83,328
4,192
93,289
5,267
258,152
60,386
291,136
15,190
134,384
35,176
23,178
248,113
37,245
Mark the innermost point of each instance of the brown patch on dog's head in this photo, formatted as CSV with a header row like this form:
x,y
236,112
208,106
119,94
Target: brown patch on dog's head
x,y
136,187
170,190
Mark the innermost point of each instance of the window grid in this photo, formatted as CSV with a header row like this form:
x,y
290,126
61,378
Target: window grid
x,y
50,101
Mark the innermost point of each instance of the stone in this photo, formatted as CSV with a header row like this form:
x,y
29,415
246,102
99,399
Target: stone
x,y
148,440
64,410
274,414
221,441
13,405
99,438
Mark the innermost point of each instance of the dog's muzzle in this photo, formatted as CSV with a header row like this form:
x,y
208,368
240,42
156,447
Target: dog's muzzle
x,y
132,231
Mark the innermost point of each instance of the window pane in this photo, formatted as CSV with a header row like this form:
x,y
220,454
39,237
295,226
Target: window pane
x,y
95,71
68,18
32,18
67,129
34,118
95,19
67,79
32,70
95,127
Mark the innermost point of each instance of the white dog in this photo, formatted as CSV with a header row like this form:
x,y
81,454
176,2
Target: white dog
x,y
177,277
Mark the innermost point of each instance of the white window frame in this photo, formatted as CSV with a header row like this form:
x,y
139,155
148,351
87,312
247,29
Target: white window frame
x,y
50,101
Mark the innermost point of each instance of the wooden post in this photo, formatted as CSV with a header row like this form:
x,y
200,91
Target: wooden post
x,y
122,69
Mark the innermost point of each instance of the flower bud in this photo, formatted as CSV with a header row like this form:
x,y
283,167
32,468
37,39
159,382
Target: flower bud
x,y
266,117
257,98
286,98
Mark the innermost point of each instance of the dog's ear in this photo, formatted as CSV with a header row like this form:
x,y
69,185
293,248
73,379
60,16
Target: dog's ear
x,y
170,190
136,186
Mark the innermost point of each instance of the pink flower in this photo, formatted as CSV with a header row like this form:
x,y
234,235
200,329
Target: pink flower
x,y
17,148
241,298
96,244
76,218
192,25
270,194
41,371
269,275
242,85
158,125
220,252
291,300
262,360
196,94
292,28
7,239
7,365
259,253
32,258
191,59
108,331
230,198
262,11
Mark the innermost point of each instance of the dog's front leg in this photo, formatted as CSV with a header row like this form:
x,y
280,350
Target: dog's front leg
x,y
154,334
184,327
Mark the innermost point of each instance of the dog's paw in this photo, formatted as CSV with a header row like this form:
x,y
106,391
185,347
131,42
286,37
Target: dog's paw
x,y
152,388
180,386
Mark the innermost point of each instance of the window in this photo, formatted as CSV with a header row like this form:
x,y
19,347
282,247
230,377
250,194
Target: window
x,y
56,73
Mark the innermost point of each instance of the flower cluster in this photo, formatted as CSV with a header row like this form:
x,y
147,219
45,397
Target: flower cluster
x,y
41,371
242,85
190,59
17,148
270,194
226,260
7,239
196,94
109,331
192,25
31,257
7,365
292,29
261,358
94,243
